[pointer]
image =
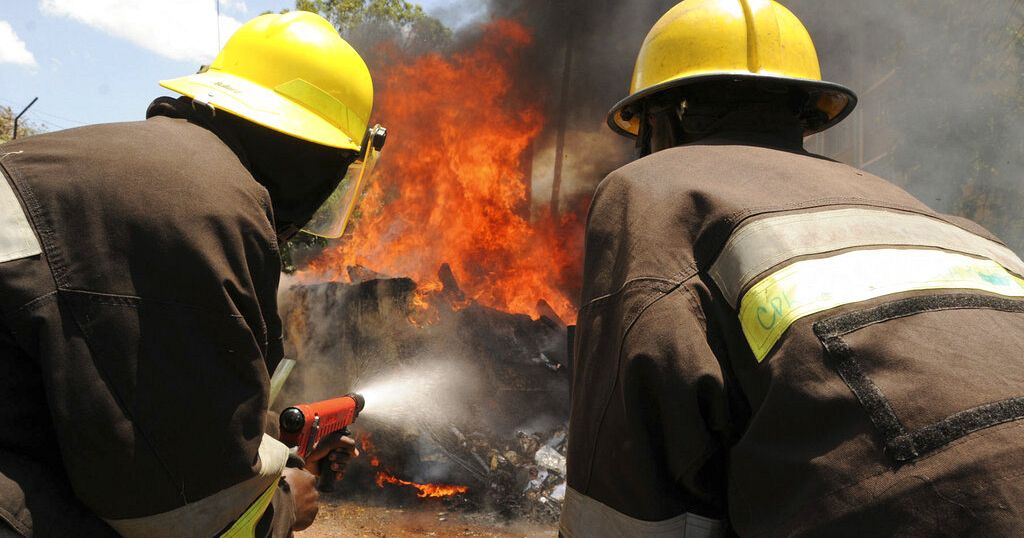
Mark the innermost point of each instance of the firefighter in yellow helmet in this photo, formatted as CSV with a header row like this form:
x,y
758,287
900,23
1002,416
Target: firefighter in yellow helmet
x,y
139,266
773,343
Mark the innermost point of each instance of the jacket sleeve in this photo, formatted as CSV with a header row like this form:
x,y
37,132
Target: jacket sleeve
x,y
151,316
674,391
650,420
159,412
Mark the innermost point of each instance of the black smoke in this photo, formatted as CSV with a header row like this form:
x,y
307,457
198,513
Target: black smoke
x,y
940,83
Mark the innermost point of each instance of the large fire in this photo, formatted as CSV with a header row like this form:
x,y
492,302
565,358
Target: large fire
x,y
452,186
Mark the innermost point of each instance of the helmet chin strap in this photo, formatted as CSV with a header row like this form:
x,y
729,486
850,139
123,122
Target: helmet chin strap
x,y
642,146
203,106
661,127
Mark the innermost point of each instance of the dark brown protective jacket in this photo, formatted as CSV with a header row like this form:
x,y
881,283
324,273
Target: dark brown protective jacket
x,y
888,406
135,348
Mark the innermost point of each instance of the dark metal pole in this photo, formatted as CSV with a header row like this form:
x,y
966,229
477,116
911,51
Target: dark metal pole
x,y
563,112
18,117
216,4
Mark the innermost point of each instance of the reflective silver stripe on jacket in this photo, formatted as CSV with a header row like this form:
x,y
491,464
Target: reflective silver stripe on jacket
x,y
583,517
763,244
211,515
17,239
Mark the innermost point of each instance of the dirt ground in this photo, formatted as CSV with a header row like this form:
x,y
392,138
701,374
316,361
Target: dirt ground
x,y
350,520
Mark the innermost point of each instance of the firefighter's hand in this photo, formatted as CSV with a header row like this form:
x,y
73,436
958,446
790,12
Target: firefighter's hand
x,y
302,485
338,449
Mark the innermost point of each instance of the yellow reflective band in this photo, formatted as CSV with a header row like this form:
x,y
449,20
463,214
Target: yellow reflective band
x,y
245,525
325,104
761,245
810,286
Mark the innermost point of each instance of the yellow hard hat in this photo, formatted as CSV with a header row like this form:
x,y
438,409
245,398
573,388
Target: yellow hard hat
x,y
291,73
701,41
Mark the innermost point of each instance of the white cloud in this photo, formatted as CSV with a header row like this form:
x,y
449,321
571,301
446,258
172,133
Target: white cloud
x,y
237,6
184,30
12,48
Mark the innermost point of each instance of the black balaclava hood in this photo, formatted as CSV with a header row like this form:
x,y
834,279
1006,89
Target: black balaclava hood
x,y
707,110
299,175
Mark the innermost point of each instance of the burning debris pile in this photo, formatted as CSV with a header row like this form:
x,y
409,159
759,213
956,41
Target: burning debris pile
x,y
476,400
517,477
447,302
454,186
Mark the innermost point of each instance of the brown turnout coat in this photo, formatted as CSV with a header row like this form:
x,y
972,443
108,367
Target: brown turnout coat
x,y
136,333
878,392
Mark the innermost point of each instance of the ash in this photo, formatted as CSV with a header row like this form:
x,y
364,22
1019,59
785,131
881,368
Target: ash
x,y
466,395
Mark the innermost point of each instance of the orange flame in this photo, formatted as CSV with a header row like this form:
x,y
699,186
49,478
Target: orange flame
x,y
451,187
426,490
366,441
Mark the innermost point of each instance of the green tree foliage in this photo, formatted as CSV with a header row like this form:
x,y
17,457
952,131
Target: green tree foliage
x,y
25,128
368,23
347,15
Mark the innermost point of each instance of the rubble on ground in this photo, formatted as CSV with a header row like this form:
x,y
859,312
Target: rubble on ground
x,y
525,476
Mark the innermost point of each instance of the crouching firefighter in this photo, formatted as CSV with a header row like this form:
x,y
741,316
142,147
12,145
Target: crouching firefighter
x,y
139,268
773,343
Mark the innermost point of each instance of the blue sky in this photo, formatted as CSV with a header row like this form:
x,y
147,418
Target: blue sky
x,y
98,61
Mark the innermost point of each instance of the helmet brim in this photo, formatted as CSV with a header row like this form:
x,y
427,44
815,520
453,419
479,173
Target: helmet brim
x,y
835,114
263,106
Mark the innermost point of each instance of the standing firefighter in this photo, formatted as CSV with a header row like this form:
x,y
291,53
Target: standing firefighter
x,y
139,270
774,343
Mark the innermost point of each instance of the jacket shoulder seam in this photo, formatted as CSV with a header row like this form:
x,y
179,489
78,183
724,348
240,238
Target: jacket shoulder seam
x,y
630,323
663,284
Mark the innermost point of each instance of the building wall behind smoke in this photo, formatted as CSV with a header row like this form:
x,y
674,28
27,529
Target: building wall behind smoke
x,y
941,106
940,84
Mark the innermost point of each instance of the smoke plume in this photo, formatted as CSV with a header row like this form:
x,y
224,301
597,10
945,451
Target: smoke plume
x,y
941,108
